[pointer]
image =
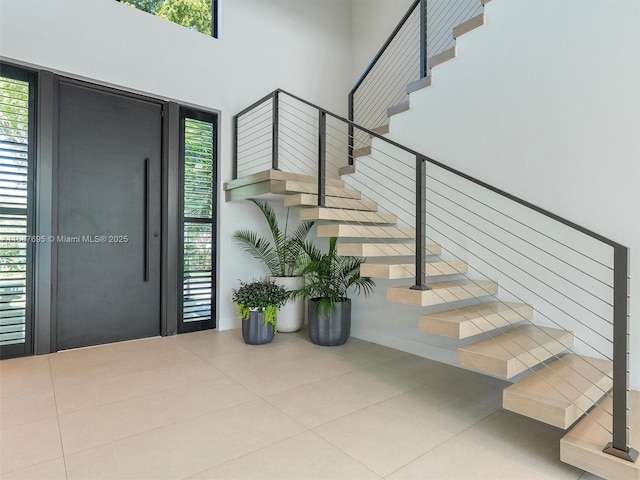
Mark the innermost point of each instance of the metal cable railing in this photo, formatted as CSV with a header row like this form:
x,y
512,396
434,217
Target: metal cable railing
x,y
577,279
426,30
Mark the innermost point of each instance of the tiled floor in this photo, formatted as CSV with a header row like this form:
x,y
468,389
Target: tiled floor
x,y
207,406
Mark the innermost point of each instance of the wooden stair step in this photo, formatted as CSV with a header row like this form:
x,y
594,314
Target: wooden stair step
x,y
310,200
442,292
408,270
442,57
381,130
384,249
509,354
424,82
582,445
398,108
562,392
469,321
362,152
471,24
278,175
339,215
347,170
291,187
343,230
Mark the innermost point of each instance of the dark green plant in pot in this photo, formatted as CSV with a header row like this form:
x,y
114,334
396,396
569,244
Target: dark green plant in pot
x,y
262,296
328,278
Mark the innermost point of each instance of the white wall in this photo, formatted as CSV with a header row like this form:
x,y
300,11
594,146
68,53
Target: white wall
x,y
298,45
543,102
372,21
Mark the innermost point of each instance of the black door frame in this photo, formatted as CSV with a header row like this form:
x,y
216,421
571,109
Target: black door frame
x,y
213,118
27,75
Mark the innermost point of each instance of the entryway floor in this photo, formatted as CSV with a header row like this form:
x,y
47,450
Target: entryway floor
x,y
206,406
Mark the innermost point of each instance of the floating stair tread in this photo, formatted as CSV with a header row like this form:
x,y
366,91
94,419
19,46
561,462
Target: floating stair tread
x,y
343,230
509,354
381,130
361,152
339,215
466,27
582,445
442,57
560,393
346,170
398,108
291,187
442,292
311,200
407,270
475,319
424,82
384,249
277,175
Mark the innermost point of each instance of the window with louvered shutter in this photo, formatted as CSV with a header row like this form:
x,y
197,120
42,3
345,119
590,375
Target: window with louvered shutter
x,y
198,252
16,240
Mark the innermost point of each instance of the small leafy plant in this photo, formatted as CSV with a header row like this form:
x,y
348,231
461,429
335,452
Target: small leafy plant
x,y
263,296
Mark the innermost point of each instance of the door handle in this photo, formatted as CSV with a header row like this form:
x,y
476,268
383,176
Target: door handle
x,y
146,219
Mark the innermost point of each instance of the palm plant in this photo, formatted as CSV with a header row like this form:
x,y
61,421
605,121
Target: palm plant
x,y
329,276
281,254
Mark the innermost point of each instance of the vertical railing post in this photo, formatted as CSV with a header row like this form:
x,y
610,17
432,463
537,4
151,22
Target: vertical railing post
x,y
424,67
275,130
421,224
351,129
322,157
234,172
619,446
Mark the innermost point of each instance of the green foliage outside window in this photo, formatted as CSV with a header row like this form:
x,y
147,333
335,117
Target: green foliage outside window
x,y
193,14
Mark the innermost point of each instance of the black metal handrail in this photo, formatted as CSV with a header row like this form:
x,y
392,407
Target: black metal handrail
x,y
620,442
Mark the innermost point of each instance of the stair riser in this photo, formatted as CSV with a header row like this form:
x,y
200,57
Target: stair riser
x,y
383,250
474,326
397,272
308,200
439,296
301,187
356,231
338,215
514,366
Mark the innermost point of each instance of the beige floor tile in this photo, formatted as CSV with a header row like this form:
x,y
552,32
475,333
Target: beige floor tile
x,y
388,435
461,382
287,374
101,391
186,448
303,457
320,402
503,446
103,424
30,444
34,362
252,357
20,381
116,360
364,354
52,470
27,407
211,343
405,367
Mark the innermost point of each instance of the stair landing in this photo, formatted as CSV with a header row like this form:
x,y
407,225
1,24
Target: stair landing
x,y
582,446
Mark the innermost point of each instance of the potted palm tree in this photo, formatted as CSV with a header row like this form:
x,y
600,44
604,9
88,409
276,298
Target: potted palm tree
x,y
258,304
281,254
328,277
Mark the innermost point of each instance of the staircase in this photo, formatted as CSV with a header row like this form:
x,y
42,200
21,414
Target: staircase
x,y
558,395
500,333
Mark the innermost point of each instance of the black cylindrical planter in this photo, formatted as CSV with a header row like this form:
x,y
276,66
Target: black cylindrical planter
x,y
330,330
255,332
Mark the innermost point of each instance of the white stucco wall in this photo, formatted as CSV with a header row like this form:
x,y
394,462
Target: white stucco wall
x,y
300,45
543,102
